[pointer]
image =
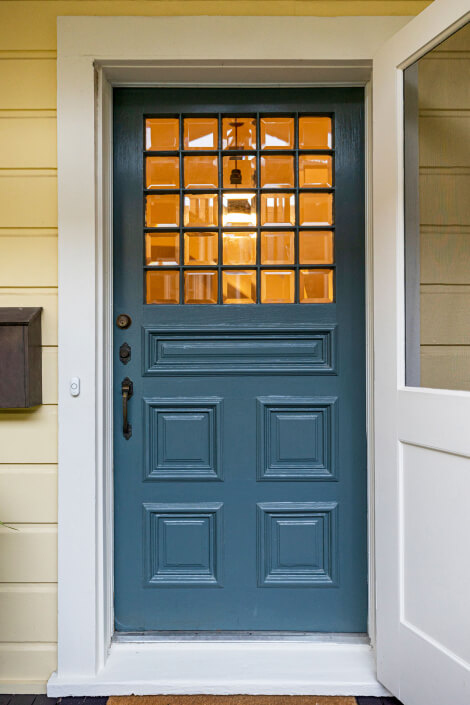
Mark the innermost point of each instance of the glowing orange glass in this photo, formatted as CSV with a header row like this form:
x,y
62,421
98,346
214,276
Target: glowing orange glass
x,y
162,248
162,134
316,247
162,210
277,287
239,287
316,286
163,287
315,133
200,287
316,209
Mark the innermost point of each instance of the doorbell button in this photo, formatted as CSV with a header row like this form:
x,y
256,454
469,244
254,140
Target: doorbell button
x,y
75,386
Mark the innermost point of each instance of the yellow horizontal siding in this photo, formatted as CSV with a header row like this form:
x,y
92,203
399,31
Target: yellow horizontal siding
x,y
47,298
27,83
31,24
28,612
28,494
23,667
28,199
36,544
27,141
49,375
29,436
28,260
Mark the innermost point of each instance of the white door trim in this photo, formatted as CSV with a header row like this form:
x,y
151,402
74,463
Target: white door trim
x,y
95,53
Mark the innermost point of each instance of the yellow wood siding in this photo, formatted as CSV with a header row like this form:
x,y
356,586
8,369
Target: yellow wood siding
x,y
28,277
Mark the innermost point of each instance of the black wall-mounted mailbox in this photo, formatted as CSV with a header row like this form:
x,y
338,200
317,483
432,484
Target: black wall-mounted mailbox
x,y
20,358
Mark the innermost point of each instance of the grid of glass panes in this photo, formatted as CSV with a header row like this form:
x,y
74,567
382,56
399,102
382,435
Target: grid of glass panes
x,y
239,209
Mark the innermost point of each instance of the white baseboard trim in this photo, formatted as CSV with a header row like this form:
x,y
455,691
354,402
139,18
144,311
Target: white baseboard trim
x,y
228,668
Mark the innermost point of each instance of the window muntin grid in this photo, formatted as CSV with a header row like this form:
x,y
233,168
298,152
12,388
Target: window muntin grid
x,y
268,238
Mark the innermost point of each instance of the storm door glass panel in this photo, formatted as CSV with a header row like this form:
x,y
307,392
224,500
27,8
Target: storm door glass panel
x,y
239,209
437,216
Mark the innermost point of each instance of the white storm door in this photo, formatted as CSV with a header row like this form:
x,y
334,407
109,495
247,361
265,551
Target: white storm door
x,y
422,359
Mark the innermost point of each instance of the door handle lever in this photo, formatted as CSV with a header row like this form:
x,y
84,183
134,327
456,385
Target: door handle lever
x,y
127,390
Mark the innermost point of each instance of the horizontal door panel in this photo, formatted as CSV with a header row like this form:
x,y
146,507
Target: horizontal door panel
x,y
199,352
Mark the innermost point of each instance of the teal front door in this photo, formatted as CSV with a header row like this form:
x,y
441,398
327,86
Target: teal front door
x,y
239,360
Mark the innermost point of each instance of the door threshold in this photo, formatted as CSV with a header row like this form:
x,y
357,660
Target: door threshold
x,y
247,636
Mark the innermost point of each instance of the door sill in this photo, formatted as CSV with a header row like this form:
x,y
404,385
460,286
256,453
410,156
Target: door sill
x,y
269,667
245,636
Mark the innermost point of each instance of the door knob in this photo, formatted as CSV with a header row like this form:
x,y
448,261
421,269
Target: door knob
x,y
127,390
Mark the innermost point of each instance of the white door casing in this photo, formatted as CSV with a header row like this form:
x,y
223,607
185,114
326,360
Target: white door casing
x,y
95,53
422,439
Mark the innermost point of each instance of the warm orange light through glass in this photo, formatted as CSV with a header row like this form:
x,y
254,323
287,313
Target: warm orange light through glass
x,y
277,209
200,248
277,133
200,133
239,133
162,210
201,210
162,134
239,209
277,247
239,287
162,172
200,287
315,133
316,209
201,172
162,248
277,171
316,286
239,248
163,287
316,247
247,166
315,171
277,287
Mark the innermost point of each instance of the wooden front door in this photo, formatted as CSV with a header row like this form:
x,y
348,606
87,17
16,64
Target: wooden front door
x,y
239,388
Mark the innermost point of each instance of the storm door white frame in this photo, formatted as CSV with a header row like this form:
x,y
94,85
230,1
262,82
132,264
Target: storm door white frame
x,y
95,53
422,461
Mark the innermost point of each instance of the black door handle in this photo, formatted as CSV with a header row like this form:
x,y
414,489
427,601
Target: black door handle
x,y
127,390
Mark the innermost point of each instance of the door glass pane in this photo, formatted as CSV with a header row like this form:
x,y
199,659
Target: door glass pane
x,y
277,287
316,286
316,209
201,172
200,133
316,247
239,133
315,133
162,248
315,171
162,211
277,133
201,248
162,134
277,209
277,171
163,287
278,247
200,287
239,287
162,172
239,248
239,171
437,216
200,210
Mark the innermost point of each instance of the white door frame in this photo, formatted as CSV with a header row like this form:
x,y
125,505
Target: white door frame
x,y
95,53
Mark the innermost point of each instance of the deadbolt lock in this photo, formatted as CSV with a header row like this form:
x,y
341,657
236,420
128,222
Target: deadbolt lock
x,y
123,321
